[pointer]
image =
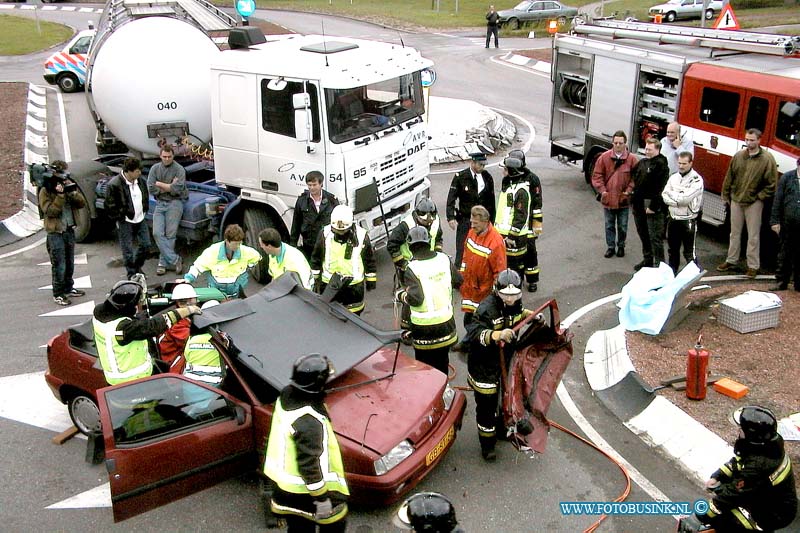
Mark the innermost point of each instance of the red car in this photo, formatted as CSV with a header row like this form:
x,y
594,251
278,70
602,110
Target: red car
x,y
395,418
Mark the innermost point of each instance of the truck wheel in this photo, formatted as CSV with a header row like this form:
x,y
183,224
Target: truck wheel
x,y
587,174
68,82
670,17
709,14
83,224
84,414
256,220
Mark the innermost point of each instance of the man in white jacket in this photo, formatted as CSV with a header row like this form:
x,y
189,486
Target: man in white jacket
x,y
683,195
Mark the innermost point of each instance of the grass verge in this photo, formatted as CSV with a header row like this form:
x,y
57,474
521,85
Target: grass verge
x,y
19,35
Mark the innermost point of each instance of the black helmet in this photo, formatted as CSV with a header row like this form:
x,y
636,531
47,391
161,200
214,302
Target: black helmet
x,y
310,372
124,294
758,424
508,283
427,511
518,154
425,212
418,236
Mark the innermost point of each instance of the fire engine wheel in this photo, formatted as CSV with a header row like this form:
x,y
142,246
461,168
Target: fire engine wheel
x,y
256,220
709,14
84,414
670,17
562,20
68,82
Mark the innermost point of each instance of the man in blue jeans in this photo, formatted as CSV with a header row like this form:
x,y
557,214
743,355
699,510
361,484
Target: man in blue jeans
x,y
167,183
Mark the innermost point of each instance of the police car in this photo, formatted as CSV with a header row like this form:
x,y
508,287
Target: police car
x,y
67,67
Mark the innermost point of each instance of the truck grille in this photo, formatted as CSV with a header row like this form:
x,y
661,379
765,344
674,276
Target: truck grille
x,y
393,176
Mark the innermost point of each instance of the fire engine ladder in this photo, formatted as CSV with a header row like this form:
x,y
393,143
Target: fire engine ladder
x,y
762,43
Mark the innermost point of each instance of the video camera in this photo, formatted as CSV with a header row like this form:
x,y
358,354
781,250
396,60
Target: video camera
x,y
49,175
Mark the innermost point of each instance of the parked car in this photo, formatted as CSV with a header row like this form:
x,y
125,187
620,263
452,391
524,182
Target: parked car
x,y
685,9
534,11
395,418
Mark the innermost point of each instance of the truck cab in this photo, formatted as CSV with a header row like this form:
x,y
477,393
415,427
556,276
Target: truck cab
x,y
67,67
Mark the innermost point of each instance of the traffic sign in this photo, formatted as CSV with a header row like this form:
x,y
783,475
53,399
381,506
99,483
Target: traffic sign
x,y
245,7
726,19
428,76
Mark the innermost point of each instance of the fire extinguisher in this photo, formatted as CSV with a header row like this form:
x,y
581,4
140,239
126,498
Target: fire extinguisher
x,y
697,371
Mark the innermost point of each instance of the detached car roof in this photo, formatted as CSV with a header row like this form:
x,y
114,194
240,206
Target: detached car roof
x,y
283,321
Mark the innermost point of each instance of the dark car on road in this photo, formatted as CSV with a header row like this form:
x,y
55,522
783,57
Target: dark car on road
x,y
395,418
535,11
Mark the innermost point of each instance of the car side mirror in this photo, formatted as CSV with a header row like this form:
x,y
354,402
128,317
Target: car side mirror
x,y
241,414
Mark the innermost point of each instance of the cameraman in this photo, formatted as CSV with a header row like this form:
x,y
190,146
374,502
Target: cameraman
x,y
57,198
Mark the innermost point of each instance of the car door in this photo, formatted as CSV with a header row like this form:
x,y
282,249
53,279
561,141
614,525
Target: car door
x,y
167,436
535,11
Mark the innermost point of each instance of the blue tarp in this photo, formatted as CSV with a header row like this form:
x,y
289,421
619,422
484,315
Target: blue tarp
x,y
647,298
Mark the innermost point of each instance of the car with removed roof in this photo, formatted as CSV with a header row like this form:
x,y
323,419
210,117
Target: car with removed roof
x,y
395,418
685,9
535,11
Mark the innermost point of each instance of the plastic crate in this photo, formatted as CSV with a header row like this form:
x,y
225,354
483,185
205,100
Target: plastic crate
x,y
745,322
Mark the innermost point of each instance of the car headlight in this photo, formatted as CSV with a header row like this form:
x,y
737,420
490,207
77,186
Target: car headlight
x,y
448,396
655,11
395,456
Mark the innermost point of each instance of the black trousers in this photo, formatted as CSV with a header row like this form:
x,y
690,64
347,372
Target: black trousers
x,y
491,30
461,235
681,233
298,524
650,229
789,255
438,358
532,262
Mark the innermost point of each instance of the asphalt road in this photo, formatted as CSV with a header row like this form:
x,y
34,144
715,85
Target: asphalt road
x,y
515,494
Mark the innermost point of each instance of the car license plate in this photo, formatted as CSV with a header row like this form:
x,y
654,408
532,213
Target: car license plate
x,y
441,446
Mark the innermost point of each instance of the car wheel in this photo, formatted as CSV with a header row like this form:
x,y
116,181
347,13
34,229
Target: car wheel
x,y
68,82
562,20
513,24
256,220
709,14
670,17
84,414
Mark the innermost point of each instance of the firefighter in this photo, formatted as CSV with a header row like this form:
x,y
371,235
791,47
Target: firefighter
x,y
226,263
425,215
513,213
200,359
303,461
428,512
755,490
172,343
492,325
430,278
121,336
531,261
344,249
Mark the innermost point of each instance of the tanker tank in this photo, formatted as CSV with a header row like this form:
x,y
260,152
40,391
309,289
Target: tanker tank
x,y
153,71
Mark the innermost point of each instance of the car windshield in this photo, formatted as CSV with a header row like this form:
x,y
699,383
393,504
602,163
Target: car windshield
x,y
360,111
523,6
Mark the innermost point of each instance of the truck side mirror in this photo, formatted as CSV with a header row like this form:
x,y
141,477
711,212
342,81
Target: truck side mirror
x,y
302,116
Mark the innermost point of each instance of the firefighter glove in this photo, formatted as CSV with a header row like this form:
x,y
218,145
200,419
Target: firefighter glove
x,y
189,310
324,509
505,335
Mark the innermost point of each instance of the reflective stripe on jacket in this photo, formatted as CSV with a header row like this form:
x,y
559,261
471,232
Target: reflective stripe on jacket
x,y
434,277
281,463
214,261
335,262
120,363
433,232
291,260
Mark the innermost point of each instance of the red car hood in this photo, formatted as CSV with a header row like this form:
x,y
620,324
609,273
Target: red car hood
x,y
381,414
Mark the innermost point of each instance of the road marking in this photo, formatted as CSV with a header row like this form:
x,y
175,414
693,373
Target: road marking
x,y
84,309
26,398
515,67
84,282
91,499
64,130
80,259
25,249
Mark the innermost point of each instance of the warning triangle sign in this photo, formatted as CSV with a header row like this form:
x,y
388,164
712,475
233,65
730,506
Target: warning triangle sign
x,y
726,19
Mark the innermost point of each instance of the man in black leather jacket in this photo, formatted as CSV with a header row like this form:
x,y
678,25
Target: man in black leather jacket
x,y
127,202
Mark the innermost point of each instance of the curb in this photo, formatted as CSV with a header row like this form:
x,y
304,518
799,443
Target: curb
x,y
26,222
527,63
655,420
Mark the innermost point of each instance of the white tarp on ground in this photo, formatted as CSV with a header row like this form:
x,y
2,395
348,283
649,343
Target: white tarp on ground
x,y
647,298
460,127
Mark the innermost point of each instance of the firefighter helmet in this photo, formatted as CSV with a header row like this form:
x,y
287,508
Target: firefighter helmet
x,y
425,212
183,291
508,283
513,165
418,236
758,424
427,511
209,304
341,218
124,294
518,154
311,372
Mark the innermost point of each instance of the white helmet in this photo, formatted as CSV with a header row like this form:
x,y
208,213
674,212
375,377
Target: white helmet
x,y
209,304
341,218
183,291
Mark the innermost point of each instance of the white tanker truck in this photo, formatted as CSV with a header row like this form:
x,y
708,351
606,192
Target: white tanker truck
x,y
277,109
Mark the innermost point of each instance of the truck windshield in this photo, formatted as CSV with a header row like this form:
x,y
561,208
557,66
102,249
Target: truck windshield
x,y
360,111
